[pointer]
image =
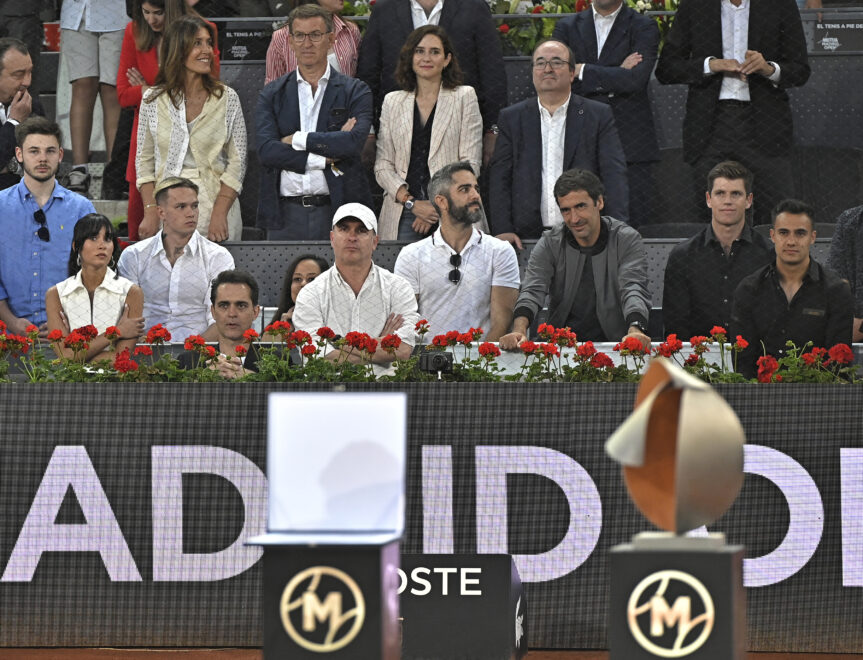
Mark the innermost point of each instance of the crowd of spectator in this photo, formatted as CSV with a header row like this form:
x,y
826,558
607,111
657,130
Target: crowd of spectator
x,y
418,106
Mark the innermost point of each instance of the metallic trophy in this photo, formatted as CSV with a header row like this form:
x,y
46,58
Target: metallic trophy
x,y
678,596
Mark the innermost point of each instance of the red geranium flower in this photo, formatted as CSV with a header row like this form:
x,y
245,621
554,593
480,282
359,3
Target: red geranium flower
x,y
718,332
390,343
503,29
545,330
123,363
741,343
2,328
692,360
669,347
439,340
528,347
549,350
564,337
251,334
158,335
54,335
240,350
193,342
537,10
76,341
586,351
630,346
601,361
143,350
476,333
489,350
767,366
309,349
88,331
841,354
30,329
465,339
112,333
325,333
209,351
421,327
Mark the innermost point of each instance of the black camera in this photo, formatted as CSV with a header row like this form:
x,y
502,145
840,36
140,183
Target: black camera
x,y
436,362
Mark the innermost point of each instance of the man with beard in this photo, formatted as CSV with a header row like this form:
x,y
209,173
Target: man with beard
x,y
37,220
16,104
593,267
462,277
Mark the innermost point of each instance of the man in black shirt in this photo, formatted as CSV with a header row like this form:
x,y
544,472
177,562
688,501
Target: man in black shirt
x,y
794,298
703,271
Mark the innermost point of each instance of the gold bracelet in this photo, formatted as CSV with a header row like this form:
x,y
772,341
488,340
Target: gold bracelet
x,y
149,206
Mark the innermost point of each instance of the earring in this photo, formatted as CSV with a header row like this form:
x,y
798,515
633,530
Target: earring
x,y
113,263
79,260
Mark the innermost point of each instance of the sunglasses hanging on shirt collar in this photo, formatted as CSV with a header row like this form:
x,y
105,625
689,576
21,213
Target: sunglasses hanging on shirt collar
x,y
43,233
455,274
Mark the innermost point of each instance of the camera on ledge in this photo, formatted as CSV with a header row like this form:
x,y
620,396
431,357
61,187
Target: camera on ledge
x,y
436,362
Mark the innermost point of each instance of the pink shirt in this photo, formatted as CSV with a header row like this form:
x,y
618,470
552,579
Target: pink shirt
x,y
281,59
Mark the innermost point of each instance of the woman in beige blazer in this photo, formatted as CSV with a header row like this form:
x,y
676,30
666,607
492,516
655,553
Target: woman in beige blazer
x,y
431,122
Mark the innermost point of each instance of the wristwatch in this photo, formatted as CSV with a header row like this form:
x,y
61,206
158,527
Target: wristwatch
x,y
640,326
409,203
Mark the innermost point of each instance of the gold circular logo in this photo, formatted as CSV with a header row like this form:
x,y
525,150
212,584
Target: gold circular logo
x,y
647,599
321,608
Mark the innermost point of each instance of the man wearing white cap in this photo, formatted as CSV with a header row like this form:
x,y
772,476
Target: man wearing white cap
x,y
357,295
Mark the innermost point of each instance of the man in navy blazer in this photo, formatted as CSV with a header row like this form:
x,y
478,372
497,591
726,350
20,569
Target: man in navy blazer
x,y
311,125
737,107
543,136
475,40
615,51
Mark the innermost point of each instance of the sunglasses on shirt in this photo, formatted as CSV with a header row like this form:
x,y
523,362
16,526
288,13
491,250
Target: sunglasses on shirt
x,y
43,233
455,274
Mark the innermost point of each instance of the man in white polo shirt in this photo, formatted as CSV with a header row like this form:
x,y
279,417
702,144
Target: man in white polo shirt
x,y
356,295
462,277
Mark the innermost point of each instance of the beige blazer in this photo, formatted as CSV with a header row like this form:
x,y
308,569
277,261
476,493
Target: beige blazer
x,y
456,135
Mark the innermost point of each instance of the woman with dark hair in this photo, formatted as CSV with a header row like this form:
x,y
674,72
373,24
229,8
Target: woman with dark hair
x,y
342,56
433,121
94,294
191,126
301,271
139,65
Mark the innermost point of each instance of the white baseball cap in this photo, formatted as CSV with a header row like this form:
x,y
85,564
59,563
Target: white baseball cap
x,y
359,212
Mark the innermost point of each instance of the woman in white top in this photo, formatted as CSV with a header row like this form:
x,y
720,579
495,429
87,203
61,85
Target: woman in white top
x,y
94,294
191,126
433,121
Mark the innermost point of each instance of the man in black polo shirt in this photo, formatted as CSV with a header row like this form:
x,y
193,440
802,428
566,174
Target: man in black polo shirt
x,y
703,271
794,298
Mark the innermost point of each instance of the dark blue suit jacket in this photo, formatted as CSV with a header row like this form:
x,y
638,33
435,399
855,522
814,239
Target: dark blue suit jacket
x,y
468,24
590,143
625,90
775,31
278,115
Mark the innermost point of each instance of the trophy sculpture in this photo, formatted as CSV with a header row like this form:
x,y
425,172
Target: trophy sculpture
x,y
675,595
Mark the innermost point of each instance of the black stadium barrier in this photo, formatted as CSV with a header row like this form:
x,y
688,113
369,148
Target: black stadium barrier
x,y
124,508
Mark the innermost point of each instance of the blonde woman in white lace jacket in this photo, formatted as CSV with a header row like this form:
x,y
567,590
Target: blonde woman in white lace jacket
x,y
191,125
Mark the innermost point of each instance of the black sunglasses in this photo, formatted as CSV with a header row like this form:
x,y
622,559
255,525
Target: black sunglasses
x,y
43,233
455,274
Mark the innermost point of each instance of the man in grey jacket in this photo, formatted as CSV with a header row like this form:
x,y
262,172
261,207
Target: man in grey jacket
x,y
593,267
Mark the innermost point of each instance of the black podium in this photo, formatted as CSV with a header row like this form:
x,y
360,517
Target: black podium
x,y
677,597
334,601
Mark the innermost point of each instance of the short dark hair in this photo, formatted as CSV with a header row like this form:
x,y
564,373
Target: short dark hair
x,y
442,180
179,183
89,227
405,75
575,180
234,277
310,11
15,44
796,207
731,170
37,126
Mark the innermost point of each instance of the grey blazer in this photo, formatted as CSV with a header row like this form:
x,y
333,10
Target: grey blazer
x,y
619,272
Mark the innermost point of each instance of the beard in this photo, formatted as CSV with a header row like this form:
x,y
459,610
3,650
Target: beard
x,y
36,176
466,215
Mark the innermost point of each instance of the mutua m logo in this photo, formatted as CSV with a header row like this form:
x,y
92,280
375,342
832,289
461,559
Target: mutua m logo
x,y
313,613
648,610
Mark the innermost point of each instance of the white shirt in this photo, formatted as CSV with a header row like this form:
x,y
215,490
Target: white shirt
x,y
294,184
329,301
178,297
553,133
735,43
418,14
485,262
603,25
98,15
105,310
